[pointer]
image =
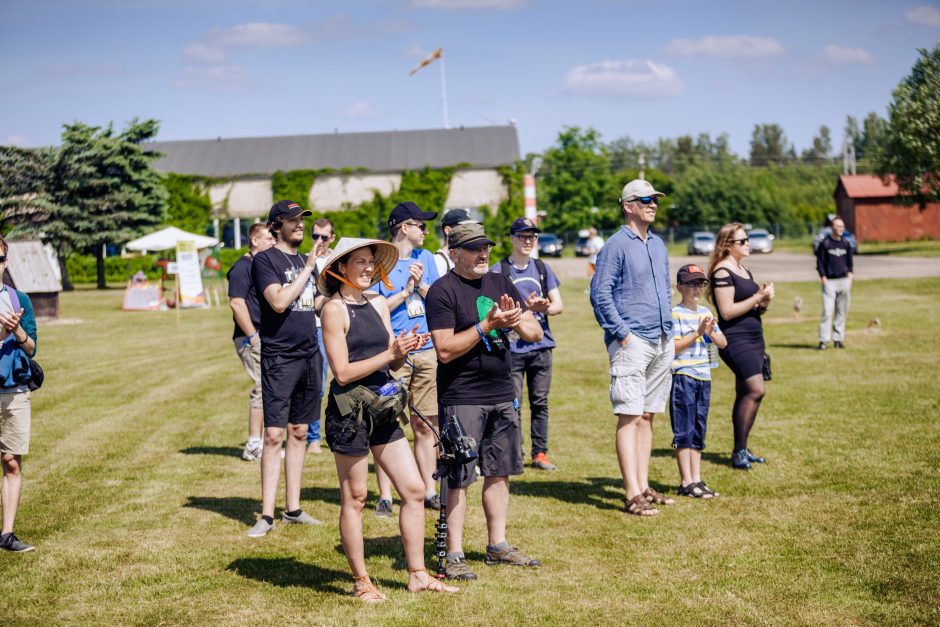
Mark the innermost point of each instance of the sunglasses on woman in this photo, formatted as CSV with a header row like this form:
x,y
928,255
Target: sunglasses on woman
x,y
741,241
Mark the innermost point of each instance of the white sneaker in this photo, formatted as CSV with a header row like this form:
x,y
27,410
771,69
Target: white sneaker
x,y
261,528
252,452
303,518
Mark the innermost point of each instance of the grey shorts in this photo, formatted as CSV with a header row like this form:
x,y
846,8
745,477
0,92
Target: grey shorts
x,y
498,433
640,375
250,356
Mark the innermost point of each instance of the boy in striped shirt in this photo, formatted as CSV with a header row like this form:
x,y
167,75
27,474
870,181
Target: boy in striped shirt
x,y
691,381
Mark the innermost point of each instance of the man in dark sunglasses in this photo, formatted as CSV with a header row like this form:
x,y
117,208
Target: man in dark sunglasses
x,y
632,301
410,281
323,235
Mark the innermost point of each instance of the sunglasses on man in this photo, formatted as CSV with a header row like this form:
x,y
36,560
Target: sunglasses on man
x,y
420,225
317,236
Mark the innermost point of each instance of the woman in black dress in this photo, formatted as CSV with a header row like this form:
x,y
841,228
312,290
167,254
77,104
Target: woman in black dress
x,y
740,303
360,347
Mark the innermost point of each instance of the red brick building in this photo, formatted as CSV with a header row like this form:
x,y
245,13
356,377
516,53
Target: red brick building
x,y
868,207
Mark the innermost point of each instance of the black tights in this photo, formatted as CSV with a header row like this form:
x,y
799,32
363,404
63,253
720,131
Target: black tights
x,y
748,395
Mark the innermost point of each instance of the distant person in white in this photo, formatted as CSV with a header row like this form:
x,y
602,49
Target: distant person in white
x,y
594,244
451,219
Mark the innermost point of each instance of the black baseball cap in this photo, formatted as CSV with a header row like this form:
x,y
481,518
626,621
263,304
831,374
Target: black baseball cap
x,y
408,211
286,209
523,224
690,272
469,235
455,217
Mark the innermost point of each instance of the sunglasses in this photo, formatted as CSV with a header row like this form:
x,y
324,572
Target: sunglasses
x,y
646,200
320,236
697,283
3,258
527,238
420,225
741,241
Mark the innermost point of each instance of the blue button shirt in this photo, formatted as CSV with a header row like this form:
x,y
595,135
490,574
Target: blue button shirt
x,y
630,290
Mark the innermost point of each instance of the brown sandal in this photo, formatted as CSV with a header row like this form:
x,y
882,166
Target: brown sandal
x,y
433,585
655,497
366,591
639,506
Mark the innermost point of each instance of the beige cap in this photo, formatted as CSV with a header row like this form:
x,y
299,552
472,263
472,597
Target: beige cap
x,y
638,188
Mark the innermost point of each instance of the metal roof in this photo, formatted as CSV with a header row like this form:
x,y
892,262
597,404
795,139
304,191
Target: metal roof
x,y
868,186
387,151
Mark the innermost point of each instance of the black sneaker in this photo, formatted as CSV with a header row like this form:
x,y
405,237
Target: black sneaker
x,y
9,542
821,347
739,459
510,555
433,502
383,508
458,569
838,344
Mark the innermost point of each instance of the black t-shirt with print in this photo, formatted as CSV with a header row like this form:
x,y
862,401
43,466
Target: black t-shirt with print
x,y
292,333
241,286
482,375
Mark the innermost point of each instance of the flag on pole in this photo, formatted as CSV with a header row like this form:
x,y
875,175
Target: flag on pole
x,y
428,60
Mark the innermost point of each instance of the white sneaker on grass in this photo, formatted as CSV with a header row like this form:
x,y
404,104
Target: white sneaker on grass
x,y
261,528
252,452
303,518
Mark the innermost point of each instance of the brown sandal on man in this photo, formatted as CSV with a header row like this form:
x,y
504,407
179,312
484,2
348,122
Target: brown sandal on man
x,y
366,591
639,506
429,584
653,496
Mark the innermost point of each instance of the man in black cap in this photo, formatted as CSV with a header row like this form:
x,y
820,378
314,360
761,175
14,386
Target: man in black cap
x,y
451,219
470,310
290,361
532,361
410,280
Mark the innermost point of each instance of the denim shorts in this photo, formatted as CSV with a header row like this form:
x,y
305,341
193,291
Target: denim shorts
x,y
640,374
688,411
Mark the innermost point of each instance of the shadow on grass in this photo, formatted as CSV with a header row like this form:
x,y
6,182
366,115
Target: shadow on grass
x,y
287,572
811,346
719,459
596,491
327,495
227,451
237,508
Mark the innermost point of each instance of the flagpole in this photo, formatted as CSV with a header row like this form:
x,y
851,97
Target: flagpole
x,y
444,91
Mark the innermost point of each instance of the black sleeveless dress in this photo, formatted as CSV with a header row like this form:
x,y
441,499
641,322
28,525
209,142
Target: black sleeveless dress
x,y
367,337
744,354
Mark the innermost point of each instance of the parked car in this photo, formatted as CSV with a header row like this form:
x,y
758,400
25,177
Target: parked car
x,y
580,244
550,245
826,231
761,241
701,243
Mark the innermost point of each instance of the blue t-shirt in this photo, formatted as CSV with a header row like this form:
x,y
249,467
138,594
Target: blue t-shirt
x,y
413,311
693,361
527,282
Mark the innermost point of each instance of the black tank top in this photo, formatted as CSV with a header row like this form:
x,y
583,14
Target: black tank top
x,y
367,337
744,288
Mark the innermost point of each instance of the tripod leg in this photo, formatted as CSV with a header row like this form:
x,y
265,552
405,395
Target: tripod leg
x,y
440,542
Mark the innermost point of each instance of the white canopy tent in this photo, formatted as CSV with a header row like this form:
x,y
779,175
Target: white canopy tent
x,y
166,239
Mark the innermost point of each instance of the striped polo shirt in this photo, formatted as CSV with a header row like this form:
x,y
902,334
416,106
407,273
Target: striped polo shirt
x,y
693,361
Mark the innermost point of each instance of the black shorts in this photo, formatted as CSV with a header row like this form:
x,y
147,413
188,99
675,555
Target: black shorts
x,y
346,436
498,432
290,389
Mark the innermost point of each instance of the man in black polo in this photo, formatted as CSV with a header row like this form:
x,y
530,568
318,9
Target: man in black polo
x,y
834,265
291,365
470,310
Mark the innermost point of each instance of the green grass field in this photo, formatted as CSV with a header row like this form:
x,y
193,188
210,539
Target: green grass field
x,y
138,501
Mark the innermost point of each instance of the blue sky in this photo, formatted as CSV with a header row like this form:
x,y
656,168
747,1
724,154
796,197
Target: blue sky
x,y
233,68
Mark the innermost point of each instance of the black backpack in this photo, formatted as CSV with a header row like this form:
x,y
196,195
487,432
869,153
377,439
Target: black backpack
x,y
543,276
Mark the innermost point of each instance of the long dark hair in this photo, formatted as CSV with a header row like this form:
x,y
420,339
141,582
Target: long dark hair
x,y
724,242
331,282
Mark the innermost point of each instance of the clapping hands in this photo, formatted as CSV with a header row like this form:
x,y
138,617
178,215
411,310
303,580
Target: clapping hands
x,y
705,326
537,303
405,343
505,314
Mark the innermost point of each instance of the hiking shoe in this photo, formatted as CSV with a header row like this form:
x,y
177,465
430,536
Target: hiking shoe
x,y
383,508
821,347
739,459
433,502
9,542
751,457
838,344
511,555
252,452
541,462
303,518
261,528
458,569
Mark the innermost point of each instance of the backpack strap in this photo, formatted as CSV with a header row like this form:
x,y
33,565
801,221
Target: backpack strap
x,y
447,262
543,276
14,298
504,268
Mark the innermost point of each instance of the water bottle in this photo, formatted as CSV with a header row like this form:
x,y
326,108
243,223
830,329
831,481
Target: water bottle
x,y
712,351
391,388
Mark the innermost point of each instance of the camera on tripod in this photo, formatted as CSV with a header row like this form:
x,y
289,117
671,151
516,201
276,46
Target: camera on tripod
x,y
457,447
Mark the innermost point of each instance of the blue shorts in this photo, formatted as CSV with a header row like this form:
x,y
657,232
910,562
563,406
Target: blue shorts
x,y
688,411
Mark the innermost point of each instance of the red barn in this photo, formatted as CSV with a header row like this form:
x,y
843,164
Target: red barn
x,y
868,206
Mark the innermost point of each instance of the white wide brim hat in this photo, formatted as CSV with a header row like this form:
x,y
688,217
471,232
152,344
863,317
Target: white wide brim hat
x,y
386,256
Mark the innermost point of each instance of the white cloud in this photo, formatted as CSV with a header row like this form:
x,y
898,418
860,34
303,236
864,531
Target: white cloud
x,y
359,109
925,15
730,47
257,34
639,77
837,54
15,140
204,53
461,5
226,78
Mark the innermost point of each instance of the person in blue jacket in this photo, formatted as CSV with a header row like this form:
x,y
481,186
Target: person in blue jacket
x,y
17,346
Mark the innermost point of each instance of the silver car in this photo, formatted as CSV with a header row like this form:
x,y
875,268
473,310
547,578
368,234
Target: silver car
x,y
701,243
761,241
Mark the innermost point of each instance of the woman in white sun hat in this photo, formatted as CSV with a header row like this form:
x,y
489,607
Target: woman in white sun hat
x,y
360,348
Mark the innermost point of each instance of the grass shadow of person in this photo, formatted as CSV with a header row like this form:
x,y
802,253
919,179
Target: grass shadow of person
x,y
711,457
237,508
326,495
288,572
596,491
227,451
